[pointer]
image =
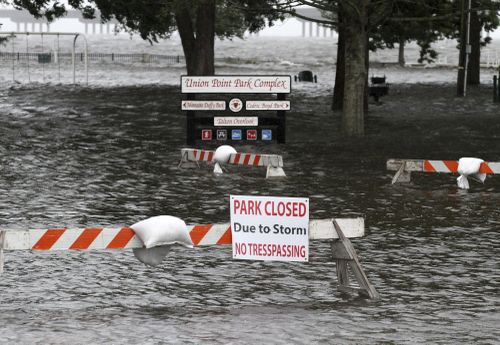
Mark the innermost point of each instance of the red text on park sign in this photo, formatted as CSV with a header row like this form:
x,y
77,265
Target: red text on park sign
x,y
270,228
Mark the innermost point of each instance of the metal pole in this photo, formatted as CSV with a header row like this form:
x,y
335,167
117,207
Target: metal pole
x,y
86,61
86,58
495,90
28,58
498,87
73,58
43,62
58,62
467,46
13,64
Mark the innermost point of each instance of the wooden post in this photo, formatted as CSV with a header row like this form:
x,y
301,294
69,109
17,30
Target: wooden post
x,y
191,123
281,132
346,257
498,85
495,89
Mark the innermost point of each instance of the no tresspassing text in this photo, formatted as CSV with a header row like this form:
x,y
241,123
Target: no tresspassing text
x,y
270,250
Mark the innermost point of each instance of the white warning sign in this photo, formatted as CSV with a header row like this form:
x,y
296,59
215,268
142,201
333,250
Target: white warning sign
x,y
270,228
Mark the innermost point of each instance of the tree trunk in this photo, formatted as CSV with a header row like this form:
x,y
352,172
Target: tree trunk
x,y
367,66
401,54
474,69
355,67
338,89
197,36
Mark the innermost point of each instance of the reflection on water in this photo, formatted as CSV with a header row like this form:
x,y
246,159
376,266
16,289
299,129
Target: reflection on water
x,y
84,157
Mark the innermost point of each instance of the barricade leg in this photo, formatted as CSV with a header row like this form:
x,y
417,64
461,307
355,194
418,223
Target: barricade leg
x,y
273,171
218,169
402,175
346,257
185,163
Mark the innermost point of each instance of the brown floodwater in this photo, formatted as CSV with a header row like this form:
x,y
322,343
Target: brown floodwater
x,y
108,156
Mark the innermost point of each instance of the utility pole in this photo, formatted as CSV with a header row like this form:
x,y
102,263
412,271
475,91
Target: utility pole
x,y
465,48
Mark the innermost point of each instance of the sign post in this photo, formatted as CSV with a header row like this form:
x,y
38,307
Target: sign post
x,y
234,119
270,228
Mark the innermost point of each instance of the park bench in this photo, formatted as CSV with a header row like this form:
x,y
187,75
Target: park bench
x,y
306,76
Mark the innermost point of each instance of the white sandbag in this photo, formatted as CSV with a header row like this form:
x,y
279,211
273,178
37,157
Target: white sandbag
x,y
223,153
468,166
218,169
161,230
151,256
463,182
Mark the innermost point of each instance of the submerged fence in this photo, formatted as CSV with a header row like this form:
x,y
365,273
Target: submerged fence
x,y
49,57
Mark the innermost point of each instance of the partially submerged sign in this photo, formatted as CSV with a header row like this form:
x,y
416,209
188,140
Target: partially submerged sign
x,y
267,105
270,228
203,105
212,119
230,121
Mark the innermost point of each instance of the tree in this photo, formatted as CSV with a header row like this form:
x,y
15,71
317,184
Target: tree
x,y
198,21
355,14
483,15
338,90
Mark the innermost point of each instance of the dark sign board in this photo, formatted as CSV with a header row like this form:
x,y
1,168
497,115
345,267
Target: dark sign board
x,y
233,118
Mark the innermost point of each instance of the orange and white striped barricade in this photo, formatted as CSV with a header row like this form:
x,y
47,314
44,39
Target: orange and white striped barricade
x,y
119,238
273,163
404,167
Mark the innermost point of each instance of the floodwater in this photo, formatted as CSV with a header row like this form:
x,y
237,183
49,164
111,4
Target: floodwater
x,y
75,156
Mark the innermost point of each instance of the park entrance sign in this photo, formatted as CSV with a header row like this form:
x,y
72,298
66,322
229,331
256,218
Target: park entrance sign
x,y
216,111
270,228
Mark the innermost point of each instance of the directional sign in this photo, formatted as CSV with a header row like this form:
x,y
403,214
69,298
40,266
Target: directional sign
x,y
203,105
229,121
226,97
267,105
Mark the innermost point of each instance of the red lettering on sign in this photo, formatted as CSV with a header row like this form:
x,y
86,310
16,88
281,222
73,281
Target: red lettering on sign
x,y
273,250
285,209
247,207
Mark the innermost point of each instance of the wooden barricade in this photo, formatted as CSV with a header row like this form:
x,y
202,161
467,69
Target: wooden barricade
x,y
119,238
273,163
404,167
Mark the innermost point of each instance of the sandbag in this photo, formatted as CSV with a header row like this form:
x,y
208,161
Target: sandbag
x,y
468,166
162,230
152,256
223,153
